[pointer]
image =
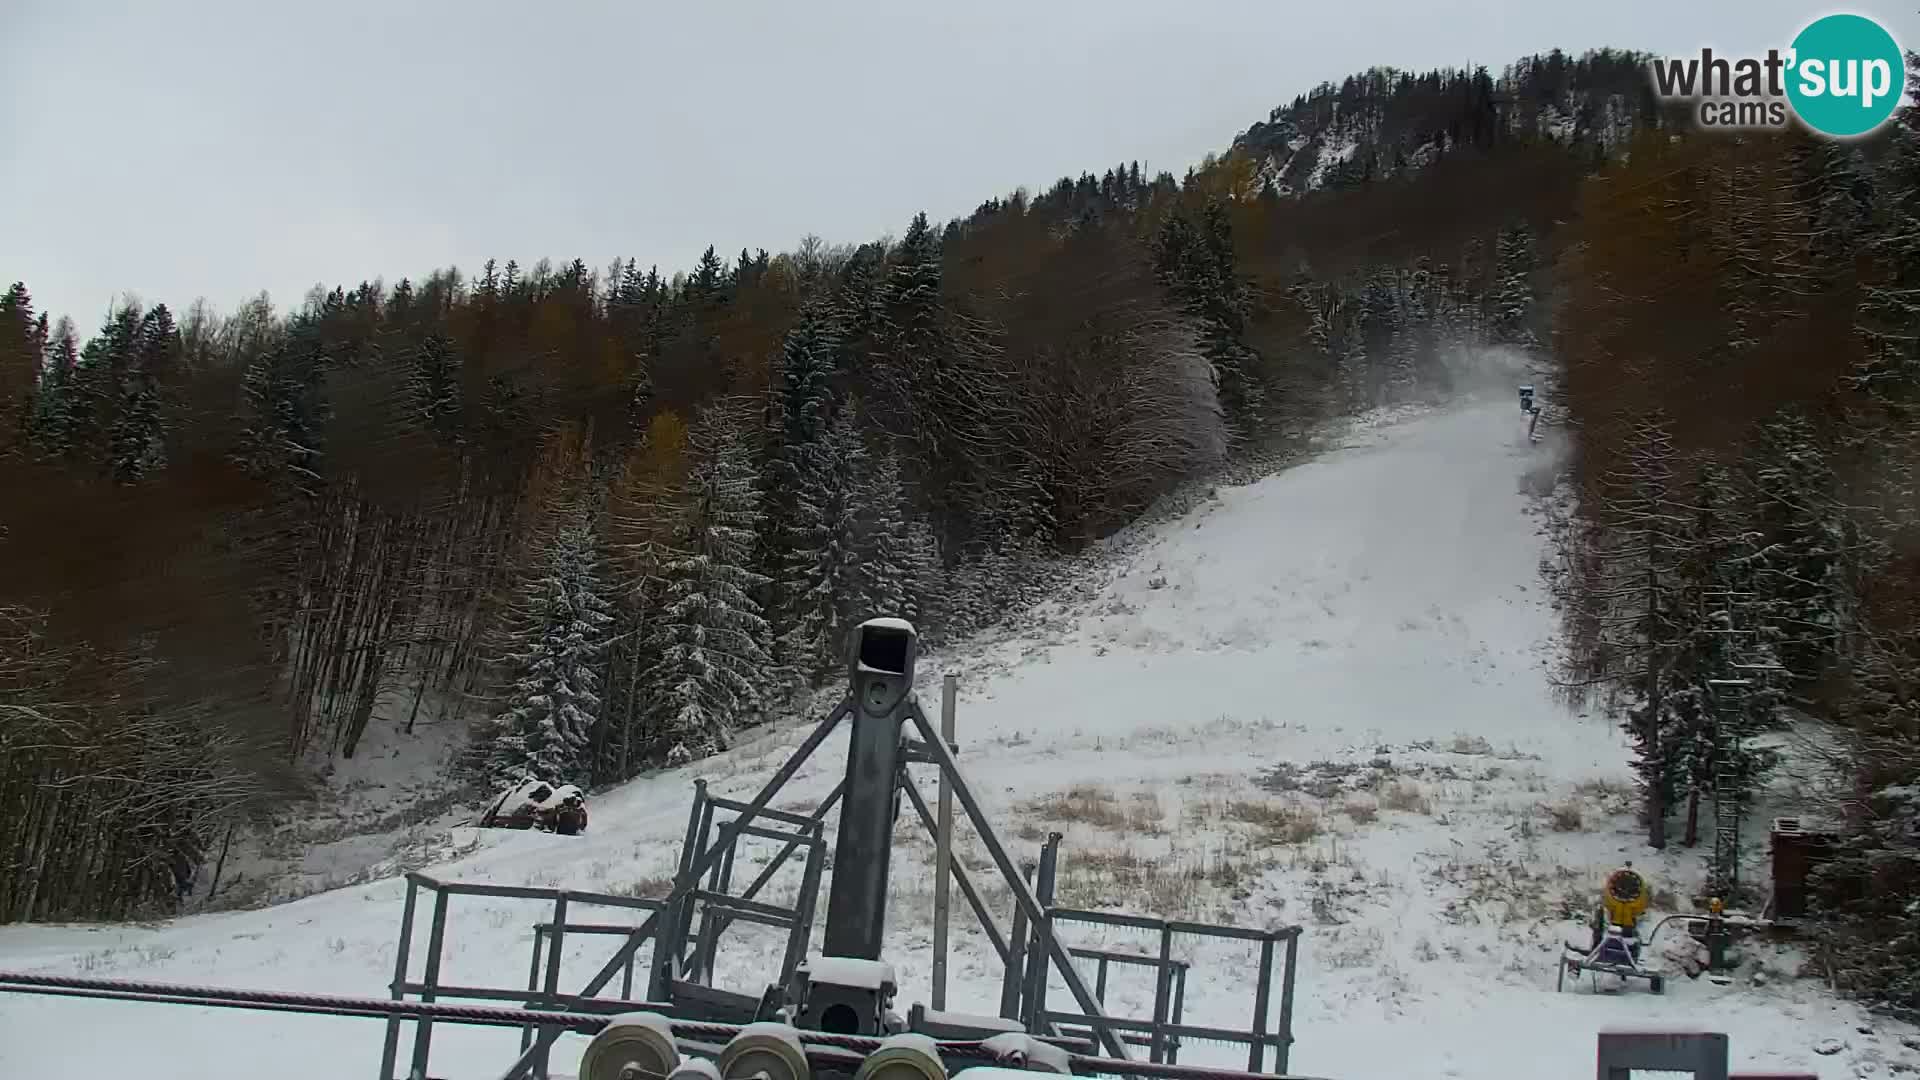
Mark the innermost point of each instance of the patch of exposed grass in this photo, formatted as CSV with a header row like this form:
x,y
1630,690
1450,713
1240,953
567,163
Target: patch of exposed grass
x,y
1099,808
1565,816
1174,885
1612,796
1277,822
1085,804
1405,798
1507,891
1361,812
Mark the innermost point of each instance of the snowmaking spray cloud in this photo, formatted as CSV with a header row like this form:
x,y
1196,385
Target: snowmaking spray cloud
x,y
1479,374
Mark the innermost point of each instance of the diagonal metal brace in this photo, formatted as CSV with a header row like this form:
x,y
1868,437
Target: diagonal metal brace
x,y
1022,892
960,875
687,882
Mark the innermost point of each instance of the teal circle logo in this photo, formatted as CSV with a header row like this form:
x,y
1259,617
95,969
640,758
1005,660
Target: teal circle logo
x,y
1848,75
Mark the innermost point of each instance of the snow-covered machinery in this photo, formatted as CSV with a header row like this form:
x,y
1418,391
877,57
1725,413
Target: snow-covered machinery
x,y
1616,948
537,804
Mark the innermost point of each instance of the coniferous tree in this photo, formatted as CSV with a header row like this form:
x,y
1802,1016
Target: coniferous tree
x,y
563,617
1513,290
822,572
709,639
1633,607
1195,263
1720,636
95,389
897,559
137,445
1800,564
23,340
433,386
50,421
799,485
709,278
937,384
1890,309
285,413
1835,190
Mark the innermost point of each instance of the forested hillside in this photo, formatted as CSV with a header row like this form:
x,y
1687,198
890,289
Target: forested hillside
x,y
1739,325
607,516
1385,122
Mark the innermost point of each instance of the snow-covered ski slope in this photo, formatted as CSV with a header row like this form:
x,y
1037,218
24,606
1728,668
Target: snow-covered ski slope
x,y
1318,699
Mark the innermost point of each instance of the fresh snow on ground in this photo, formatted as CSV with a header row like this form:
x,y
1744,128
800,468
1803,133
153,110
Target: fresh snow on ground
x,y
388,807
1320,699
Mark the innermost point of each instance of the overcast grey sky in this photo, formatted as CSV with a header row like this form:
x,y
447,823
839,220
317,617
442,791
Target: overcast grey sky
x,y
219,147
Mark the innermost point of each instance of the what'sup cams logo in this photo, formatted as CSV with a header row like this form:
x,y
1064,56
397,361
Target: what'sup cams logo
x,y
1843,76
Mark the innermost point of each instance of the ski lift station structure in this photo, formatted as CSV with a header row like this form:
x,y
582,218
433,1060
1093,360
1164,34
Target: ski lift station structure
x,y
831,1013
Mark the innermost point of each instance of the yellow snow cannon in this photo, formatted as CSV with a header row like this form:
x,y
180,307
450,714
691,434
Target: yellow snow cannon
x,y
1616,944
1624,897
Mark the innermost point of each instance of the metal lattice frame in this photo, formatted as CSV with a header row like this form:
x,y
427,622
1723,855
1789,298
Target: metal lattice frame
x,y
1728,699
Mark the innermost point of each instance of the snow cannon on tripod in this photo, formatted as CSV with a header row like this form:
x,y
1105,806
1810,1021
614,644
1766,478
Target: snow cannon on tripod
x,y
1531,410
1616,946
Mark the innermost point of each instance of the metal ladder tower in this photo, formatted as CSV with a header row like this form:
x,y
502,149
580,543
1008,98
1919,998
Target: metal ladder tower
x,y
1729,698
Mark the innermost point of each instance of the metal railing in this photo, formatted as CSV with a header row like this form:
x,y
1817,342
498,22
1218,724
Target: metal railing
x,y
1166,1026
543,987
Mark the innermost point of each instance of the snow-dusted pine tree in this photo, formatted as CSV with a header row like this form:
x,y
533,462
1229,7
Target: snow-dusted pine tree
x,y
821,576
433,385
1719,636
709,639
1835,190
1889,311
899,562
1513,287
805,486
559,627
1195,263
49,425
1800,566
1632,605
135,438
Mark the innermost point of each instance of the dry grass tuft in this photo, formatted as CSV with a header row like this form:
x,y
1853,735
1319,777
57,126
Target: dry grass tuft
x,y
1100,808
1362,813
1565,816
1406,798
1277,822
1174,885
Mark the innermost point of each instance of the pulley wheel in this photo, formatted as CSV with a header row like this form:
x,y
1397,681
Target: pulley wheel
x,y
765,1047
908,1056
633,1046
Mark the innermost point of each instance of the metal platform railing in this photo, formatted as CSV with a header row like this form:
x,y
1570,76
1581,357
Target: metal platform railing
x,y
542,992
1164,1029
